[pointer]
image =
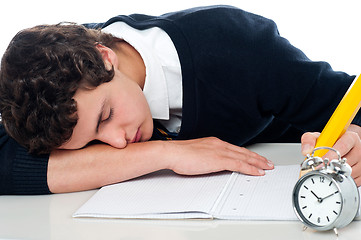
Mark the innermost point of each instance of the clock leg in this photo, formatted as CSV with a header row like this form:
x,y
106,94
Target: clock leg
x,y
336,232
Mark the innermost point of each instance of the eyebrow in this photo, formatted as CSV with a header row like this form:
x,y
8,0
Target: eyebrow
x,y
100,114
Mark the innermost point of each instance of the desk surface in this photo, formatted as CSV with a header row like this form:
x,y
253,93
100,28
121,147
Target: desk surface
x,y
50,217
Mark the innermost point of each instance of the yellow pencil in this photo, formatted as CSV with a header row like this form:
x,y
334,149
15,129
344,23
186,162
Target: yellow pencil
x,y
341,118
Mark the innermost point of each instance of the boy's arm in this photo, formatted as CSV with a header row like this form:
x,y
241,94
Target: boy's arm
x,y
99,165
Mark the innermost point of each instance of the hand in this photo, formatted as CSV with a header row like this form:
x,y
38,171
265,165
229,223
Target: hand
x,y
349,146
206,155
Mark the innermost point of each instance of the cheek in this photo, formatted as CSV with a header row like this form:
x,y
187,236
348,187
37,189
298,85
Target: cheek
x,y
78,139
135,104
143,103
129,103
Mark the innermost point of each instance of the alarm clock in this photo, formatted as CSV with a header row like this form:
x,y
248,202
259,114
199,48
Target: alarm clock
x,y
326,197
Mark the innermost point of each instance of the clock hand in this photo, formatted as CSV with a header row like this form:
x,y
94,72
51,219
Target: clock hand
x,y
318,198
329,196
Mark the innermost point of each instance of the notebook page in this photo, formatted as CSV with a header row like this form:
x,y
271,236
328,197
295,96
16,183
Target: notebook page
x,y
158,195
266,197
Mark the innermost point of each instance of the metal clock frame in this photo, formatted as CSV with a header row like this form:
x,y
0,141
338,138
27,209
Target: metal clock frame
x,y
350,198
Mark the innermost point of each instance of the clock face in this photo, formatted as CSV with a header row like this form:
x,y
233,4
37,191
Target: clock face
x,y
318,200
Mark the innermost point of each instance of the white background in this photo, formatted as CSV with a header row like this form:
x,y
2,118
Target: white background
x,y
327,30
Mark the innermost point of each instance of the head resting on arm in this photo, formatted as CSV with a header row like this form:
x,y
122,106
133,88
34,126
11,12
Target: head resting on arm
x,y
41,70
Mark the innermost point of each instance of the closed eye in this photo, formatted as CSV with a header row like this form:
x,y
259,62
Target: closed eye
x,y
110,116
101,116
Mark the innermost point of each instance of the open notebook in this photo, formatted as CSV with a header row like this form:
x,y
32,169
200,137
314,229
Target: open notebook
x,y
165,195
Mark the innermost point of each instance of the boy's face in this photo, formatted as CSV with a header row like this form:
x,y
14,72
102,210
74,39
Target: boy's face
x,y
115,113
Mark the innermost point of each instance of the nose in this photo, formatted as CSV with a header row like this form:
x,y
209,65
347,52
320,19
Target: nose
x,y
115,138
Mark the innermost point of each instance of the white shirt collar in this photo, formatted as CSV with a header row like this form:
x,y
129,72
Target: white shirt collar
x,y
155,80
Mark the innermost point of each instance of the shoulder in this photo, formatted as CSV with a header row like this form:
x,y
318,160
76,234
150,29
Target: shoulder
x,y
215,14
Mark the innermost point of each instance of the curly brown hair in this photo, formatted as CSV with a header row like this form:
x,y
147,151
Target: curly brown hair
x,y
41,70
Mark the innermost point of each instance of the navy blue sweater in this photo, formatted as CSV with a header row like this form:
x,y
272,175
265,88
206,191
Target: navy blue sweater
x,y
242,82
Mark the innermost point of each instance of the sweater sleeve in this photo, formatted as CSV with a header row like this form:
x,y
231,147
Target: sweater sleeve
x,y
20,172
307,92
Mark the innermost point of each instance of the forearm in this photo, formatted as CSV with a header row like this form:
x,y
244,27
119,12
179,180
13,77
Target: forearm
x,y
99,165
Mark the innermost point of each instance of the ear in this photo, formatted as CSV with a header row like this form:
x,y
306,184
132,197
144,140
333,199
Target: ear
x,y
109,57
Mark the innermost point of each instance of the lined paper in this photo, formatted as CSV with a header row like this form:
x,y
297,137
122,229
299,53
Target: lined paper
x,y
159,195
165,195
266,197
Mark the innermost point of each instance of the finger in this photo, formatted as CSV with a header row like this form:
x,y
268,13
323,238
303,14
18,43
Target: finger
x,y
352,159
260,164
247,152
349,146
348,141
252,158
308,141
246,168
356,171
235,158
232,161
242,162
358,181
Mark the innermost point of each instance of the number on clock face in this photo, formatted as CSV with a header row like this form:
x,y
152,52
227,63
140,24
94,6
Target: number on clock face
x,y
319,200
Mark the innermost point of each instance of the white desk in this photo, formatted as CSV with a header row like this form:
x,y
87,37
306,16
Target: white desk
x,y
49,217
